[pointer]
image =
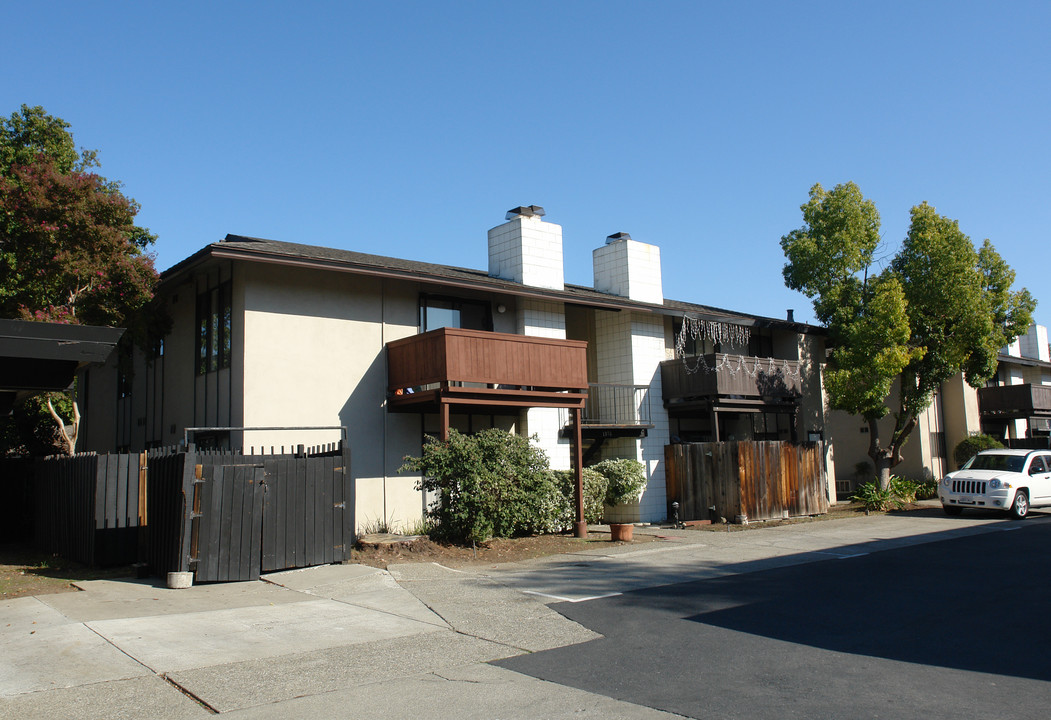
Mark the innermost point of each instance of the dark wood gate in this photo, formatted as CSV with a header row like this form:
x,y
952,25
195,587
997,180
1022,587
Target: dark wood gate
x,y
229,505
290,511
305,506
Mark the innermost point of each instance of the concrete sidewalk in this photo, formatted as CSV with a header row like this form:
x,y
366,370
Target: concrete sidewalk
x,y
354,641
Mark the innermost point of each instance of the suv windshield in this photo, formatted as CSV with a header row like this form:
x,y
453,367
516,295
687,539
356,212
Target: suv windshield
x,y
1010,463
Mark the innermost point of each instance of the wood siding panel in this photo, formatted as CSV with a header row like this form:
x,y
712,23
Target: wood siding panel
x,y
770,380
472,356
761,480
1018,400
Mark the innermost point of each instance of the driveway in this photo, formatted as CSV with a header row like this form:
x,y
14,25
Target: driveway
x,y
952,629
419,641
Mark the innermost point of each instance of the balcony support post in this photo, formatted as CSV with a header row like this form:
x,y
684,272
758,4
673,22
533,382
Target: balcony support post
x,y
581,527
443,414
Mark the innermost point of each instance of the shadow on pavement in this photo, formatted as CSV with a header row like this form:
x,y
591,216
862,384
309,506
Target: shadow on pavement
x,y
977,603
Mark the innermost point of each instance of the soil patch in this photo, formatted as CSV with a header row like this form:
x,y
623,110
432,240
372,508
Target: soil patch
x,y
497,550
25,572
840,511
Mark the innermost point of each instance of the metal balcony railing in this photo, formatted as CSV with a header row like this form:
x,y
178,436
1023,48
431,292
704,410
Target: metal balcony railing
x,y
612,404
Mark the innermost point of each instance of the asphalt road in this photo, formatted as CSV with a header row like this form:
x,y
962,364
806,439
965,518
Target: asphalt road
x,y
953,629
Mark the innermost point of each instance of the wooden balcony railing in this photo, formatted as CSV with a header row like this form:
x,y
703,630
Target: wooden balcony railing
x,y
481,367
720,374
1015,400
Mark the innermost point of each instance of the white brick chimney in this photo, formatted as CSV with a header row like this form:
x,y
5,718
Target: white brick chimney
x,y
629,269
527,250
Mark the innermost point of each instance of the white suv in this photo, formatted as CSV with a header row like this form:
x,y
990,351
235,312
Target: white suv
x,y
1011,480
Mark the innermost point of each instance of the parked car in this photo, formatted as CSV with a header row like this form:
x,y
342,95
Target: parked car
x,y
1009,480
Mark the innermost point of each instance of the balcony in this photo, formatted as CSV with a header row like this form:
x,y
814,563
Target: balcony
x,y
719,377
1015,401
494,372
614,411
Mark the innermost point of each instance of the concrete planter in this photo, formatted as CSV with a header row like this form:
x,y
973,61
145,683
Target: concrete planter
x,y
180,580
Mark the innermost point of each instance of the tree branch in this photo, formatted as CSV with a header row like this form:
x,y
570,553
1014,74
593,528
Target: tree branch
x,y
70,439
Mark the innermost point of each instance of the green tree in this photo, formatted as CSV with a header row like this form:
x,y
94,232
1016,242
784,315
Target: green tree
x,y
31,133
938,308
70,250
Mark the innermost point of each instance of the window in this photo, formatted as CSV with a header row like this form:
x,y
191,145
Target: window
x,y
760,343
438,311
939,447
214,329
692,347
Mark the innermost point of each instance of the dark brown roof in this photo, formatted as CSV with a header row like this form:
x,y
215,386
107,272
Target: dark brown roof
x,y
261,250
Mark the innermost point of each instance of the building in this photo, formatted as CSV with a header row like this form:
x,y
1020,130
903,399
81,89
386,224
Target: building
x,y
271,334
927,453
1016,404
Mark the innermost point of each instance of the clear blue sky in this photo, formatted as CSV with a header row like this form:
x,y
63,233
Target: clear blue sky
x,y
408,129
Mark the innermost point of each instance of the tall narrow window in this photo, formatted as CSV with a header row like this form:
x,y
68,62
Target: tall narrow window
x,y
225,324
203,312
214,329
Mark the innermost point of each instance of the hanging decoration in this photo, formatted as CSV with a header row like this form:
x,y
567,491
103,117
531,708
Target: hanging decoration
x,y
718,332
733,336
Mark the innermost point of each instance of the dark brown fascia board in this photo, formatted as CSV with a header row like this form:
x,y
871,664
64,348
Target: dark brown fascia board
x,y
57,341
217,252
211,252
1027,361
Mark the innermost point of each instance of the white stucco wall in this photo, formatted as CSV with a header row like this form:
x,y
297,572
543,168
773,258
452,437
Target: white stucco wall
x,y
314,355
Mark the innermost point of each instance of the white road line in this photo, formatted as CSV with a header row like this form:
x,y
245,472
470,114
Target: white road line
x,y
838,555
572,600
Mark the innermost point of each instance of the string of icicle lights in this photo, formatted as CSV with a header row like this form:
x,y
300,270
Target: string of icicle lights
x,y
726,334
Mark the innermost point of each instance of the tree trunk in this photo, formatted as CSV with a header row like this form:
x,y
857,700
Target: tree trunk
x,y
69,437
883,470
882,458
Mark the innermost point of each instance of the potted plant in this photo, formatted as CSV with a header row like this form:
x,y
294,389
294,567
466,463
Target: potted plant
x,y
626,479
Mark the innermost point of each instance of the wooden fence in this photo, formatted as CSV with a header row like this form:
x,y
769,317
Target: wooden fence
x,y
219,514
746,480
88,507
16,499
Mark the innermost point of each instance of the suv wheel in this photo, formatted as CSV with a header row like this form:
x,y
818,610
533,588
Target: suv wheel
x,y
952,509
1020,506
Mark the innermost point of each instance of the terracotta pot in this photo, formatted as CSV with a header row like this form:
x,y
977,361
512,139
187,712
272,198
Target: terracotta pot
x,y
623,532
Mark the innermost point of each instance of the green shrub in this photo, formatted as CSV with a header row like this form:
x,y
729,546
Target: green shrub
x,y
900,491
594,494
904,490
927,490
972,445
626,480
491,484
873,497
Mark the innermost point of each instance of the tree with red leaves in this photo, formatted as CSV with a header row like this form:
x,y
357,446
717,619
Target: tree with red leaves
x,y
70,250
